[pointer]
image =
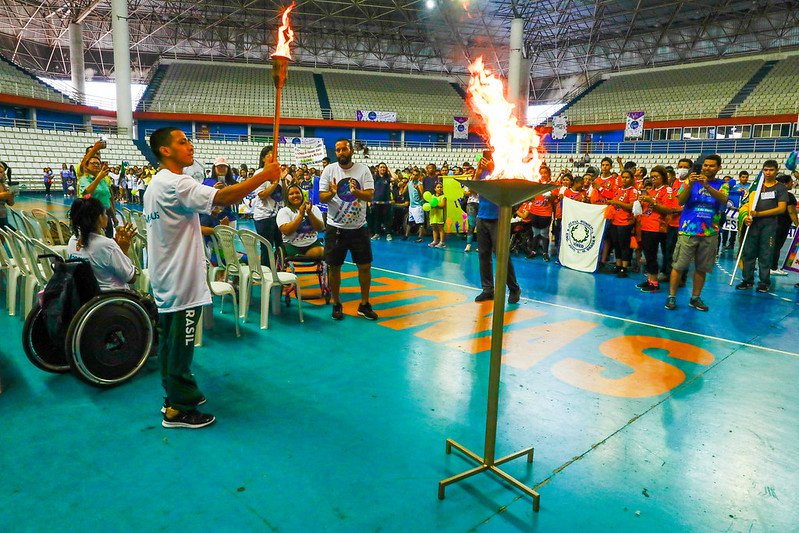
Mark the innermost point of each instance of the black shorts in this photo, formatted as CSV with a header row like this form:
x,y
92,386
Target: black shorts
x,y
541,222
338,241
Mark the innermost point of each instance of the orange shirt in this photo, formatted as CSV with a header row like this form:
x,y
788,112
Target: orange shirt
x,y
542,205
622,217
674,220
651,220
568,193
604,189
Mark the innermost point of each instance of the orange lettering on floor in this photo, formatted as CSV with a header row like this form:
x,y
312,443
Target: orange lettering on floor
x,y
456,321
526,347
437,299
649,376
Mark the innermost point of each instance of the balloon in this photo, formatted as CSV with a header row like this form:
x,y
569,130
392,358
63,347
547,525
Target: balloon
x,y
457,227
426,207
433,202
427,196
465,216
478,157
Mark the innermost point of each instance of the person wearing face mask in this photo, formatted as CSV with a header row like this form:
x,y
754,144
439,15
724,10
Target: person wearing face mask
x,y
673,220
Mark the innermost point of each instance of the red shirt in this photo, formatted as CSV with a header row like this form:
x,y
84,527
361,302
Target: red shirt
x,y
622,217
541,205
651,220
604,190
674,220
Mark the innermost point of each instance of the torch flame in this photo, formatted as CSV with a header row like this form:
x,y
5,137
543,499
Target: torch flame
x,y
285,35
515,146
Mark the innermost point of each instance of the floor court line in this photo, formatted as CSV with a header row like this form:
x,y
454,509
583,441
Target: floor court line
x,y
596,313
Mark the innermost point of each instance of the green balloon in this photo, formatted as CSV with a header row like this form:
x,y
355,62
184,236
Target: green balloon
x,y
426,207
478,157
434,202
427,195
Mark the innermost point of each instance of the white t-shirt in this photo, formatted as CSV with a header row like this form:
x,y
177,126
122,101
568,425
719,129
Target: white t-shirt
x,y
305,234
262,209
176,254
344,210
112,268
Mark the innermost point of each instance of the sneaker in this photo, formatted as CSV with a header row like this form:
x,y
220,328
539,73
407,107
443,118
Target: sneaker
x,y
433,244
166,404
671,303
744,285
622,273
338,312
762,287
389,237
365,310
697,303
192,419
375,237
644,284
441,245
419,239
513,297
546,257
779,272
650,288
468,248
484,297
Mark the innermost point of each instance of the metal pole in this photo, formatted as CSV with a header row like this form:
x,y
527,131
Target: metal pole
x,y
497,327
76,60
121,40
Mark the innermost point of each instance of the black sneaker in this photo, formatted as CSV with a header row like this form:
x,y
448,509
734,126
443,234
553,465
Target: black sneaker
x,y
513,297
671,303
762,287
697,303
166,403
621,273
650,288
643,285
192,419
484,297
744,285
365,310
338,312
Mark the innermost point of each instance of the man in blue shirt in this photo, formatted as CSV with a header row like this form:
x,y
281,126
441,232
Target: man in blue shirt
x,y
487,216
703,197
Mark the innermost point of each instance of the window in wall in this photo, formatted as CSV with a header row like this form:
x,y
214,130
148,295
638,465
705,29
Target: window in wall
x,y
695,133
765,131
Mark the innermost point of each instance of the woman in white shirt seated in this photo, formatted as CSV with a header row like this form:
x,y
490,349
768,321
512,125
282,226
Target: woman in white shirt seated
x,y
300,222
112,267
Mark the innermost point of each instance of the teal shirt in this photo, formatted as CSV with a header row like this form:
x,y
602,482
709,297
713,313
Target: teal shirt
x,y
102,192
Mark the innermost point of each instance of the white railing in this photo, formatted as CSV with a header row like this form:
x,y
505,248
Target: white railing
x,y
63,126
783,144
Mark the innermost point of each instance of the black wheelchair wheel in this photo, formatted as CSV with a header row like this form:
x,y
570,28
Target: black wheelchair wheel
x,y
110,339
40,350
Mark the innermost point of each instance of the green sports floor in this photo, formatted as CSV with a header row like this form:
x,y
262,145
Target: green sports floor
x,y
641,419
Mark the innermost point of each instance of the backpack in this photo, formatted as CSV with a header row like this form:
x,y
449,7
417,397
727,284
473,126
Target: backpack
x,y
72,285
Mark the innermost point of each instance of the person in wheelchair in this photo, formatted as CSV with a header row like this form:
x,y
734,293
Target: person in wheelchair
x,y
107,257
300,222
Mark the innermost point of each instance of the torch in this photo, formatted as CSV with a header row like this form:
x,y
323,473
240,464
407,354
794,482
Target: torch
x,y
513,179
280,67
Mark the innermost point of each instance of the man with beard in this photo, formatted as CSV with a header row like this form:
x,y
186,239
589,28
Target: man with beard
x,y
346,187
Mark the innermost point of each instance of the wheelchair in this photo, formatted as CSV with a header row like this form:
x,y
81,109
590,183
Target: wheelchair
x,y
301,264
521,237
107,341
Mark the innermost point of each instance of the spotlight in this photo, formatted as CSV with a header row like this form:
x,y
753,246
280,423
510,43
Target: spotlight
x,y
431,4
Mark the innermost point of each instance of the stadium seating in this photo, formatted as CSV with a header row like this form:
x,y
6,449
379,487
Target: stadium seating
x,y
14,80
246,90
27,151
237,153
416,100
776,93
664,94
402,157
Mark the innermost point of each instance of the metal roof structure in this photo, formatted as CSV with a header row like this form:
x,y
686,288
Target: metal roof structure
x,y
569,42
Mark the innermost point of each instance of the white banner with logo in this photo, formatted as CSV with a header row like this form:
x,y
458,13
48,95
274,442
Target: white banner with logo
x,y
460,127
375,116
581,235
635,125
560,127
309,151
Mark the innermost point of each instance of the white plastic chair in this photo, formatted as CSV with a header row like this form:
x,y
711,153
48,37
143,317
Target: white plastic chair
x,y
136,252
218,288
267,277
228,256
21,273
